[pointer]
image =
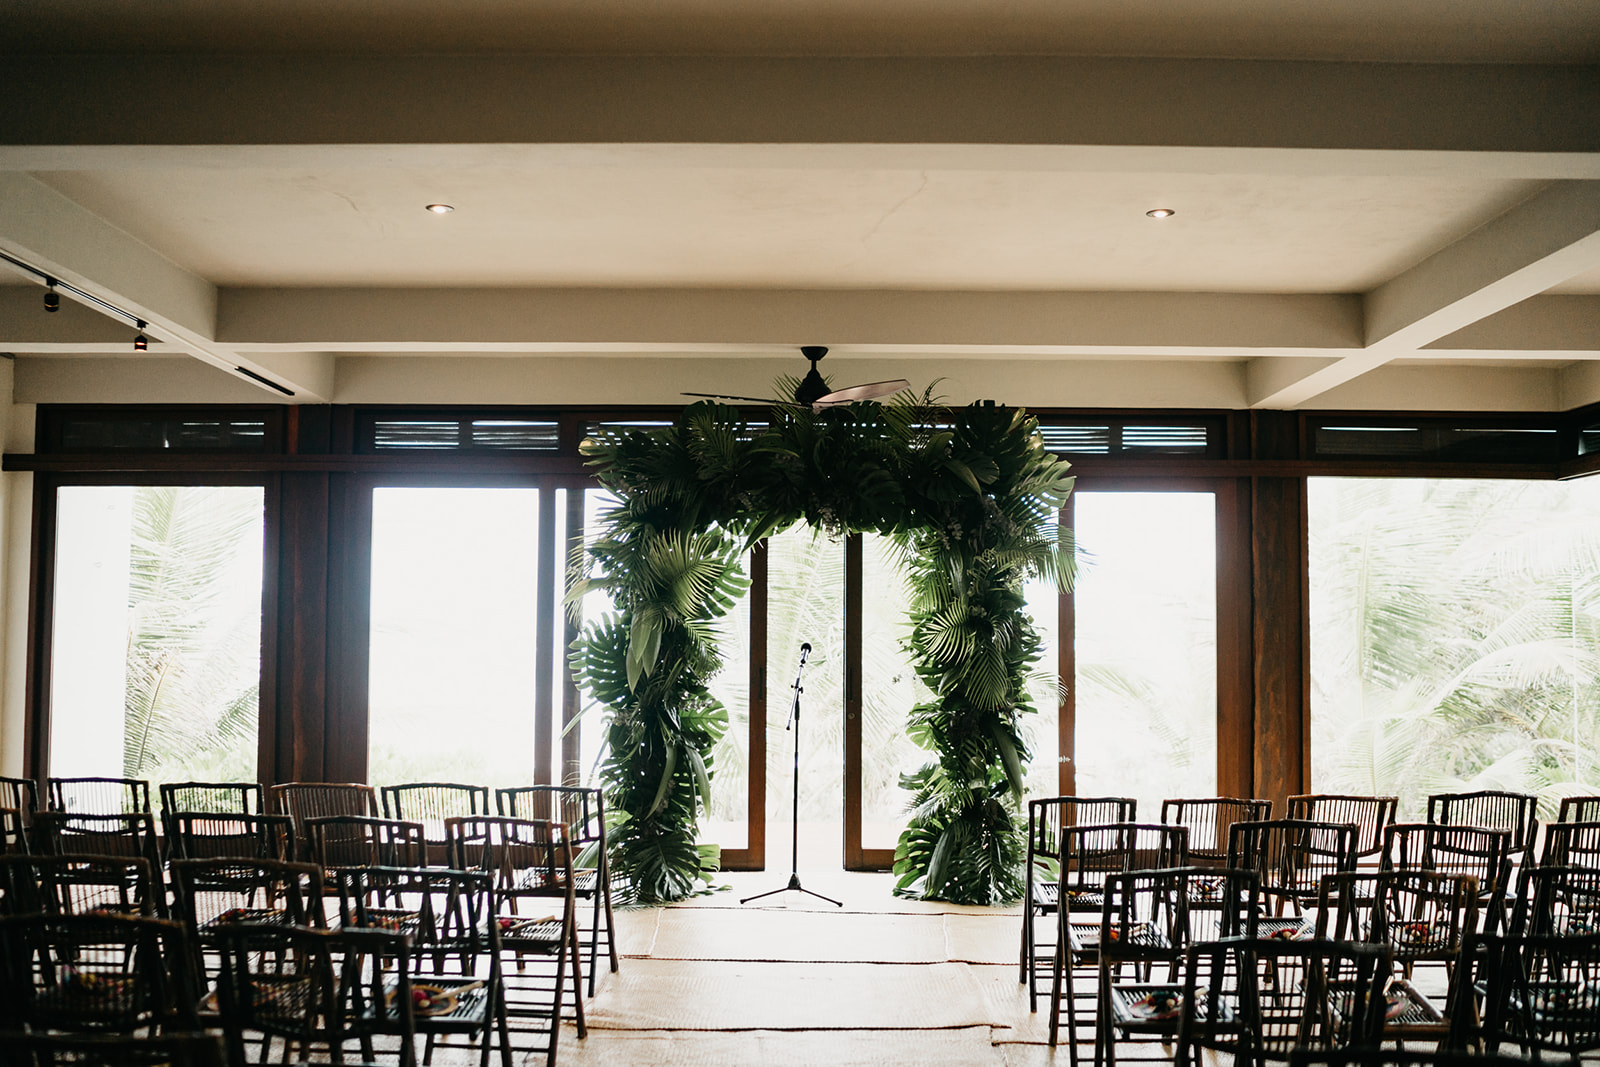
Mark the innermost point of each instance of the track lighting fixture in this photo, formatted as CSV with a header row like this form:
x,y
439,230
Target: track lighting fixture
x,y
141,343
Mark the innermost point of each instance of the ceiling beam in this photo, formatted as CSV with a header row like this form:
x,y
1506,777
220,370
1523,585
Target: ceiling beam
x,y
1541,243
53,235
1546,240
534,320
962,100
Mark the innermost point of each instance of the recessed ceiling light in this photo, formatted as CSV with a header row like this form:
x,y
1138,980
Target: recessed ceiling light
x,y
1161,212
440,209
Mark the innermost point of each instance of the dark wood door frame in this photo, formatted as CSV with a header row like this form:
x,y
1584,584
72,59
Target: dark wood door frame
x,y
1234,630
753,857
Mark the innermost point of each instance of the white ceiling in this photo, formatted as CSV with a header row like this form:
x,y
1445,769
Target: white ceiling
x,y
251,179
653,225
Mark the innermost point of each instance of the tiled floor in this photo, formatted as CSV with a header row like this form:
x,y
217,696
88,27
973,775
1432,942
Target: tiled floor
x,y
792,980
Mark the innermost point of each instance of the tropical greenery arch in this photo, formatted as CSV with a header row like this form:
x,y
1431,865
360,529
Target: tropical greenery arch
x,y
970,498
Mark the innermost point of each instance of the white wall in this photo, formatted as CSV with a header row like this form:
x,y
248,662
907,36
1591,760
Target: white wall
x,y
16,500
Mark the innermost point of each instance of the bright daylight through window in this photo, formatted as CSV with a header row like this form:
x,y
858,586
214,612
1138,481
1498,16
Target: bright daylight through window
x,y
1455,637
156,659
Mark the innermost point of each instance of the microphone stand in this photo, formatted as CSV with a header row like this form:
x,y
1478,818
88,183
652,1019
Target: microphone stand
x,y
794,855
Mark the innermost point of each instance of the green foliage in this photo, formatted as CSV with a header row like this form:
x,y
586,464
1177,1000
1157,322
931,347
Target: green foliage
x,y
191,669
1456,637
970,499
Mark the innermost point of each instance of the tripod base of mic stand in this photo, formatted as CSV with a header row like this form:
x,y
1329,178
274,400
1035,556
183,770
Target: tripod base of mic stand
x,y
794,885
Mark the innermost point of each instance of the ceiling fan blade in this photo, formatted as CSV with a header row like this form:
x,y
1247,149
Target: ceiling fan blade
x,y
749,399
866,391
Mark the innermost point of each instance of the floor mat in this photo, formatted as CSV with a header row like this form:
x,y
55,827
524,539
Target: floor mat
x,y
693,995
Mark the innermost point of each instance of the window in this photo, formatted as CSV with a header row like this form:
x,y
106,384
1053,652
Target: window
x,y
1146,647
1455,637
155,656
452,678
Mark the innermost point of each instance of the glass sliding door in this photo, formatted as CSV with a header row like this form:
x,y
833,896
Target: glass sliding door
x,y
1145,613
453,678
1455,637
156,632
889,690
805,572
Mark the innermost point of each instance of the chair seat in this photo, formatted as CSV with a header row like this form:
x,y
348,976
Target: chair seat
x,y
1047,896
285,1000
1085,937
1559,1003
397,919
248,916
1408,1009
441,1002
1145,1006
1285,928
90,998
523,932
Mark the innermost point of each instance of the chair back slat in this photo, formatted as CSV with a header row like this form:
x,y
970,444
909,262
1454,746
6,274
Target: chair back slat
x,y
1370,815
1209,820
99,796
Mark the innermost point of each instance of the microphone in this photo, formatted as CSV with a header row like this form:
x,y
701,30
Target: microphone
x,y
805,650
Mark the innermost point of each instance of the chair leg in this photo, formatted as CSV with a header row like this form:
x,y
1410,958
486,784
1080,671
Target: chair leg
x,y
594,936
1025,952
1055,996
611,922
577,984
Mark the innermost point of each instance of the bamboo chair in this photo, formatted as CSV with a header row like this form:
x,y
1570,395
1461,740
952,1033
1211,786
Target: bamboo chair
x,y
1579,809
211,893
20,795
1046,819
215,798
313,987
1555,901
1571,844
530,861
1145,922
1370,815
431,803
1493,809
455,949
349,842
95,972
80,884
1423,918
583,812
1264,999
1208,820
302,801
1482,853
126,836
1089,855
99,796
203,835
1540,995
1290,858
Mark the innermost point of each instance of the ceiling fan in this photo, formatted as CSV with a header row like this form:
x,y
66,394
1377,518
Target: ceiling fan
x,y
813,392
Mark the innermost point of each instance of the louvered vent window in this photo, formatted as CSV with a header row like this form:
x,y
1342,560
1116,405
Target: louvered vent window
x,y
1077,440
159,431
751,431
1116,438
465,433
1588,440
1436,441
